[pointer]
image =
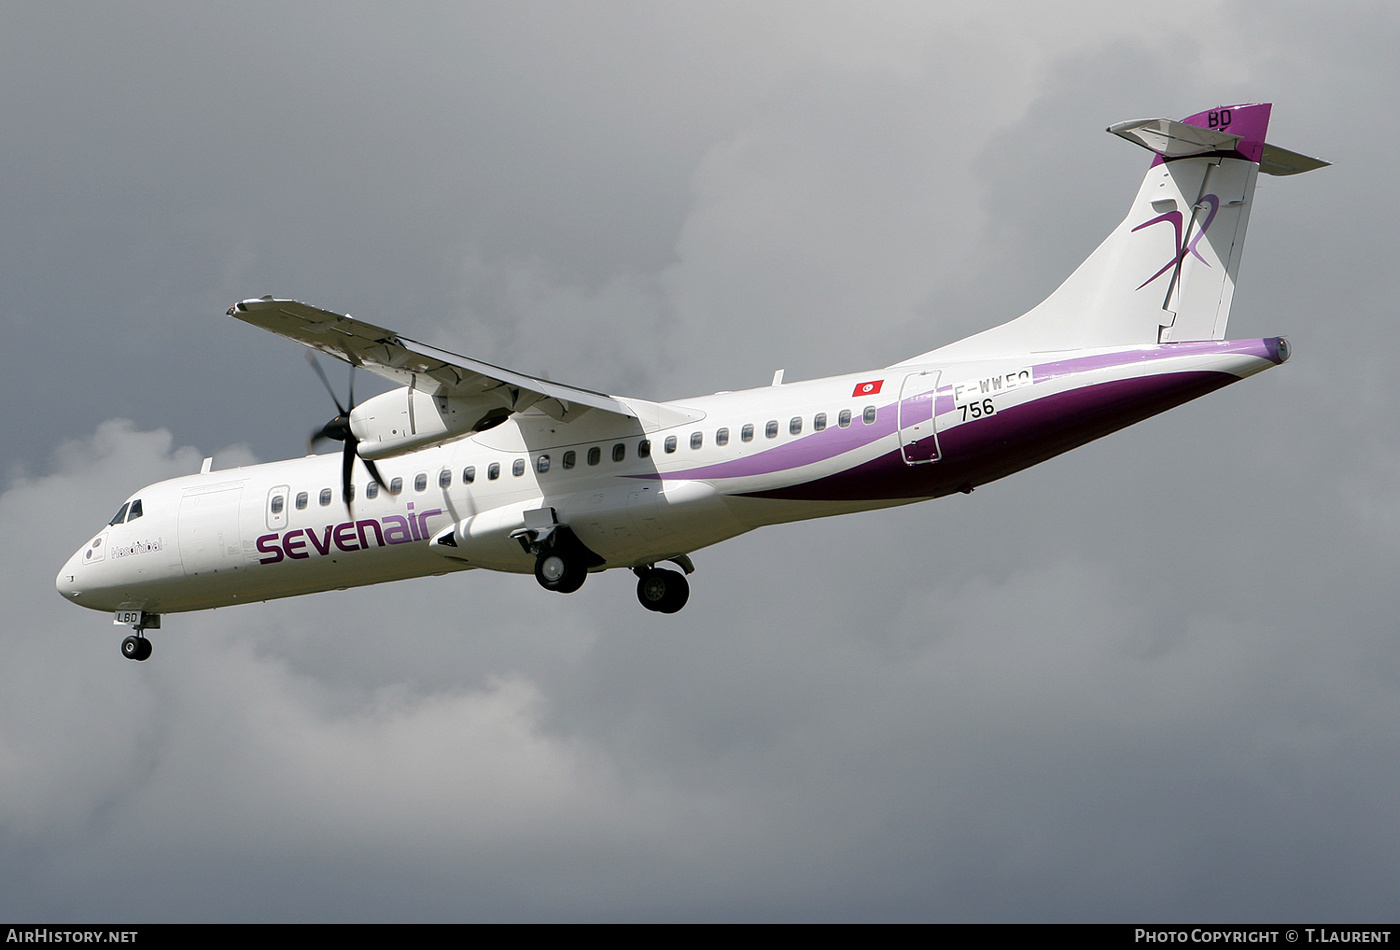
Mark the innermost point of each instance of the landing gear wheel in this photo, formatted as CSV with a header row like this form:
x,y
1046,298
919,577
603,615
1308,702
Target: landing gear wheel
x,y
136,648
662,591
572,581
559,571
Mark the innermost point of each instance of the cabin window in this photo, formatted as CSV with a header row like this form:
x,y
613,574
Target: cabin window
x,y
135,511
542,464
302,499
868,417
795,425
493,471
746,433
844,419
570,459
670,445
120,516
325,498
278,503
771,429
619,452
517,467
644,449
445,478
396,486
469,474
372,490
420,481
722,437
595,455
819,422
697,439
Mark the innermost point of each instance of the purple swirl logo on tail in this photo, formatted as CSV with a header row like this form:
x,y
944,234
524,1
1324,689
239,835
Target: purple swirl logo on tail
x,y
1182,249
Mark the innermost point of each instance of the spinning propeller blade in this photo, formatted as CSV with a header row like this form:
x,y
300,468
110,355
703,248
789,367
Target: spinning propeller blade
x,y
338,430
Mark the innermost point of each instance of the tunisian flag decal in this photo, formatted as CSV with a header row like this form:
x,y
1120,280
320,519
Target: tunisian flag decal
x,y
867,389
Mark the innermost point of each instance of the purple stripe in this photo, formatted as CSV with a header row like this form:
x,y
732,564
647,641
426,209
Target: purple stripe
x,y
1013,439
1264,349
817,447
835,441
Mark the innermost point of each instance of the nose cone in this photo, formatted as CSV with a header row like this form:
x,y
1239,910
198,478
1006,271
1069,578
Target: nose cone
x,y
67,580
88,578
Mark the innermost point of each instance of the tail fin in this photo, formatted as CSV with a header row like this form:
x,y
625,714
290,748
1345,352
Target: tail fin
x,y
1167,272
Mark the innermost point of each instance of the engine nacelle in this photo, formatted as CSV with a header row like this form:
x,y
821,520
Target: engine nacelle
x,y
403,420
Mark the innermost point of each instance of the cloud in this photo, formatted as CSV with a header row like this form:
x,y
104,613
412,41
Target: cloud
x,y
220,747
837,735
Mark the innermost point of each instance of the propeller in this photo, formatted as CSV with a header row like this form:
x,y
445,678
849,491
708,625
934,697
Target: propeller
x,y
338,430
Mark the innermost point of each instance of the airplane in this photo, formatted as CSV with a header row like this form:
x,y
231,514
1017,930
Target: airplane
x,y
471,466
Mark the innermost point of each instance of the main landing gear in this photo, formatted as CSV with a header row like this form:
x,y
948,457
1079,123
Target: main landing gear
x,y
561,559
562,562
661,590
560,570
136,646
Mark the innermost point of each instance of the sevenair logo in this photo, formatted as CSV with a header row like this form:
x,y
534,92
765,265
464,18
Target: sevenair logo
x,y
301,543
1212,205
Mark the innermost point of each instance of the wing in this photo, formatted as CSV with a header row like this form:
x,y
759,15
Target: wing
x,y
422,367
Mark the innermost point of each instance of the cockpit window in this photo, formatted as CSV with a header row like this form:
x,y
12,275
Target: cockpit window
x,y
135,511
120,516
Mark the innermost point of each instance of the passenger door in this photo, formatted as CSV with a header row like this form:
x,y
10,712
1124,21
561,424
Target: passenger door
x,y
918,440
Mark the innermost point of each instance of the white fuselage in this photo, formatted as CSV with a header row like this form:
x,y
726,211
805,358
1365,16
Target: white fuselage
x,y
633,494
480,466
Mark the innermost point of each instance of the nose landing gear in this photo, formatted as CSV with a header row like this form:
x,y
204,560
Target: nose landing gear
x,y
136,646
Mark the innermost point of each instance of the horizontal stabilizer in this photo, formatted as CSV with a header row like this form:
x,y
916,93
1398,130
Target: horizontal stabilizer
x,y
1172,139
1280,161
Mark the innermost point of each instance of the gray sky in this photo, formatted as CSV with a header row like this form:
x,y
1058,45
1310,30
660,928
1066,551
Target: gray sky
x,y
1152,680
